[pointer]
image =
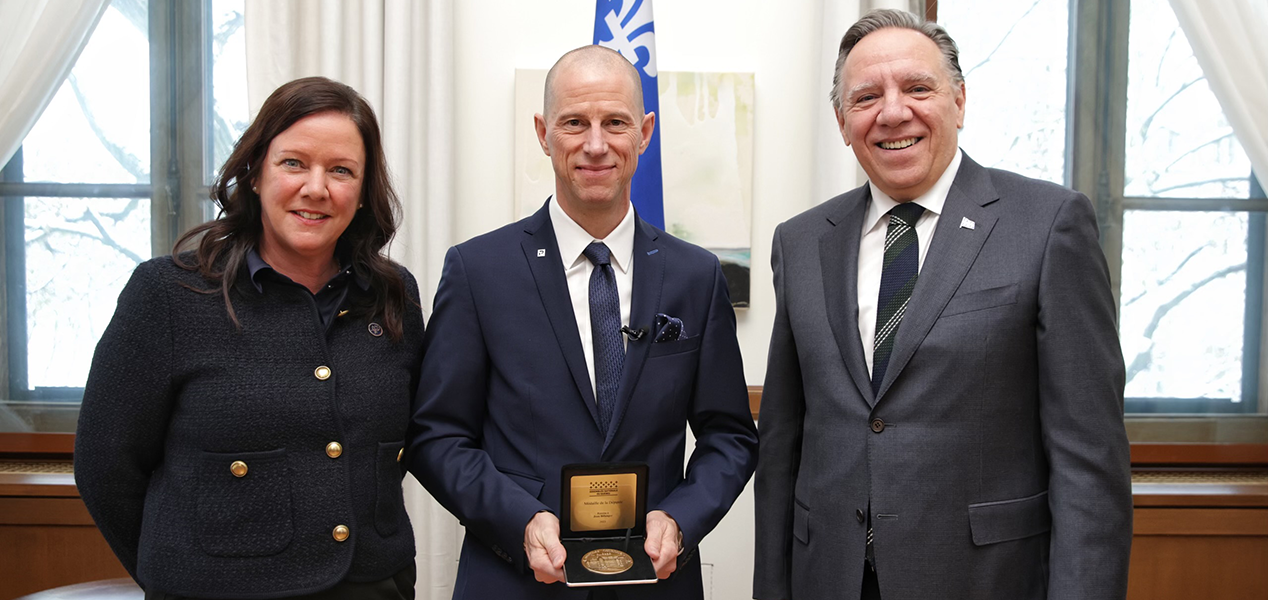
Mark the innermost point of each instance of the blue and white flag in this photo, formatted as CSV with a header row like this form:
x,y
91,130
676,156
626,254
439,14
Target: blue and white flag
x,y
626,26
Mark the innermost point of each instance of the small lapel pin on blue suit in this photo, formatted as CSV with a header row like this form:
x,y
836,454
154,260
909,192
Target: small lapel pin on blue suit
x,y
967,223
541,252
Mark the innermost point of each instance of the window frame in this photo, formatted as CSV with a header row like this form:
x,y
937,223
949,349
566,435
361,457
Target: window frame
x,y
180,37
1096,165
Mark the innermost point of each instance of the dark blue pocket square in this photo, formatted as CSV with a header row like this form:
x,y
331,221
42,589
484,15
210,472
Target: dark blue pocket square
x,y
667,328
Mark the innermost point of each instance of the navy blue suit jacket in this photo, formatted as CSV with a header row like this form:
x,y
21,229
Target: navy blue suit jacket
x,y
505,400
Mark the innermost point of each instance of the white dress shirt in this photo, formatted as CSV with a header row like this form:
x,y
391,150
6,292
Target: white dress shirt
x,y
872,246
572,240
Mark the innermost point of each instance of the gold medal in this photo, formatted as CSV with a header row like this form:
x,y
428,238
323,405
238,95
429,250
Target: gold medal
x,y
606,561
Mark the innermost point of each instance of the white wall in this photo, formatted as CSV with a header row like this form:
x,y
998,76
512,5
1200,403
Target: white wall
x,y
780,42
799,158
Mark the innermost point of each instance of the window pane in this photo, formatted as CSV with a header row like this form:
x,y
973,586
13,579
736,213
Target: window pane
x,y
79,254
97,128
1179,144
229,81
1183,308
1014,56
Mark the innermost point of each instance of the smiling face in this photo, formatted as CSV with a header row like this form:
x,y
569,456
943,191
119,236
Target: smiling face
x,y
901,112
309,188
593,133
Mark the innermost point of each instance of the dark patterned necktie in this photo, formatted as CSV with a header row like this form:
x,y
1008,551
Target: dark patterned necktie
x,y
898,277
605,328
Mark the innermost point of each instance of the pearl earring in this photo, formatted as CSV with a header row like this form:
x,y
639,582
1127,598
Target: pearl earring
x,y
255,189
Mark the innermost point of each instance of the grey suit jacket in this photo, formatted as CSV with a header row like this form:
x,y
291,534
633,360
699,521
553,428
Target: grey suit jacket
x,y
993,463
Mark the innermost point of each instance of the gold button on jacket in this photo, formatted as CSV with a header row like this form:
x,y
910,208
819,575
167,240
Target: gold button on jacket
x,y
400,454
334,449
340,533
322,372
238,468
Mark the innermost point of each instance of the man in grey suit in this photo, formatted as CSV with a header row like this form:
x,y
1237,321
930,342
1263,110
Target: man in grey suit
x,y
942,413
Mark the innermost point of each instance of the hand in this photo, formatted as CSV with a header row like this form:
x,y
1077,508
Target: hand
x,y
664,542
545,553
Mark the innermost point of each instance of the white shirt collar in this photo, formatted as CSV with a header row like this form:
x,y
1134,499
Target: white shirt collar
x,y
572,239
932,200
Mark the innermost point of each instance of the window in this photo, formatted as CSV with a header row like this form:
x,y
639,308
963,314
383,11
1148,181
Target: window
x,y
1116,106
1190,323
116,167
1014,64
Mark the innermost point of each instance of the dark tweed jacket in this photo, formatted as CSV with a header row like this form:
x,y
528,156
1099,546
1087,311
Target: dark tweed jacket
x,y
176,395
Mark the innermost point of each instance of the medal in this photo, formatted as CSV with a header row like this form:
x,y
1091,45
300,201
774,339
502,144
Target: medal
x,y
606,561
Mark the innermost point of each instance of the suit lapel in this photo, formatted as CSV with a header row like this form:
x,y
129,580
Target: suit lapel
x,y
951,253
649,276
552,286
838,255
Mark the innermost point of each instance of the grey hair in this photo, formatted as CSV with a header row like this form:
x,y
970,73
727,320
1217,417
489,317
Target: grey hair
x,y
883,18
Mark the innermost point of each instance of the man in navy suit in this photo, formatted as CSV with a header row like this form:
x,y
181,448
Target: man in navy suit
x,y
527,368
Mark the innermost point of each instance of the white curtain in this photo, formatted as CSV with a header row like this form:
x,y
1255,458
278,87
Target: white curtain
x,y
399,55
1228,40
39,43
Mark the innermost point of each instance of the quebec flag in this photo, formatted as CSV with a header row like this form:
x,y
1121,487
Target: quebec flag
x,y
626,26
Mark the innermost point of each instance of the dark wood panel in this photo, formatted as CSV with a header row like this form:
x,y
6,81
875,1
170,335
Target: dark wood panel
x,y
40,557
1213,554
1184,568
1202,522
47,538
1199,454
44,511
1199,495
49,444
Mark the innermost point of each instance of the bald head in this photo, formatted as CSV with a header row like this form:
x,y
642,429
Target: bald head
x,y
593,58
593,130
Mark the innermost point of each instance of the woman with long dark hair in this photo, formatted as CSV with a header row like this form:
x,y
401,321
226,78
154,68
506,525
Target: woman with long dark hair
x,y
243,421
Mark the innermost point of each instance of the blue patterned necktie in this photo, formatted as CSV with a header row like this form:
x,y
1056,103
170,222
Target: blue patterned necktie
x,y
605,328
898,277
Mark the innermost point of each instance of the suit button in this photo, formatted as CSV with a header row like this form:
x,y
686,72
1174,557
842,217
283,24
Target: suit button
x,y
400,454
878,425
334,449
340,533
238,468
322,372
858,514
